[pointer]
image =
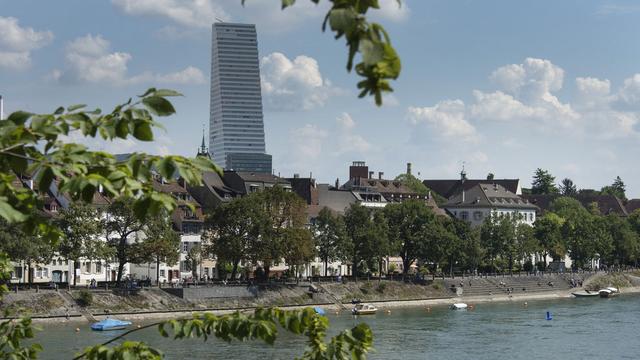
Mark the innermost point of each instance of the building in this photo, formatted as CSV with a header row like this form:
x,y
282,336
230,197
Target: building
x,y
479,202
447,188
236,127
606,204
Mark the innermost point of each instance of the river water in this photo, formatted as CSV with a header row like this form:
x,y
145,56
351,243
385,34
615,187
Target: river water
x,y
580,329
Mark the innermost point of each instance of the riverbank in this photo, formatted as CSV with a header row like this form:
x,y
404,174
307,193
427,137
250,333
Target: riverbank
x,y
155,304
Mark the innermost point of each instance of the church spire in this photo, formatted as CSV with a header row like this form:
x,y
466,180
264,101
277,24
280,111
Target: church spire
x,y
203,151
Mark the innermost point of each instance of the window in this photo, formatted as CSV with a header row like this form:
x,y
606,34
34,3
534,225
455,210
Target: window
x,y
206,271
464,215
477,215
185,246
39,272
45,272
530,216
98,267
88,266
162,273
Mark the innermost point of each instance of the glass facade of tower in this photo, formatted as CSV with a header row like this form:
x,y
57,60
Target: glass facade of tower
x,y
236,127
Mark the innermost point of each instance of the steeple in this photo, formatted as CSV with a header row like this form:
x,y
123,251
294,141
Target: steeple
x,y
203,151
463,173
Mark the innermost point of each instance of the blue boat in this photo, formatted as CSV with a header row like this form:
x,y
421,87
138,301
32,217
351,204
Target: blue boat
x,y
110,324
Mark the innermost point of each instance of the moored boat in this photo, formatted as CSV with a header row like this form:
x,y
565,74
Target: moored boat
x,y
585,293
364,309
110,324
458,306
608,292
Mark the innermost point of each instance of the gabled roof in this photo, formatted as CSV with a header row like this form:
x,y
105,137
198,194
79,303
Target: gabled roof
x,y
607,204
447,188
488,196
260,177
380,185
632,205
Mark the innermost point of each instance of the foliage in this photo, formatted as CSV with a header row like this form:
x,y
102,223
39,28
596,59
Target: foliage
x,y
161,243
357,221
194,259
490,176
280,218
24,246
262,325
617,189
330,237
543,183
379,61
85,298
80,226
547,230
31,145
568,188
230,230
122,224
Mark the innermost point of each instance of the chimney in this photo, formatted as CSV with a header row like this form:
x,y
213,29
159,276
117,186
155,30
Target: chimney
x,y
337,183
463,194
370,174
358,169
380,173
31,184
408,168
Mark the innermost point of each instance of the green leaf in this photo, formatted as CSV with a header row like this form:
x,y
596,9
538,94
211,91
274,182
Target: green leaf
x,y
9,213
76,107
159,105
287,3
148,92
166,92
143,132
19,117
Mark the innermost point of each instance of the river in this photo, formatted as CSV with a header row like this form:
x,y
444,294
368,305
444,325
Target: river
x,y
580,329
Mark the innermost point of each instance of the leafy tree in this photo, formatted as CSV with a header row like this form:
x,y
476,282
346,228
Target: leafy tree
x,y
123,231
194,259
472,250
299,248
413,183
21,246
634,221
547,231
330,237
625,244
412,227
448,240
490,176
231,229
161,243
617,189
568,188
81,227
582,235
543,183
279,211
379,238
526,243
568,208
357,219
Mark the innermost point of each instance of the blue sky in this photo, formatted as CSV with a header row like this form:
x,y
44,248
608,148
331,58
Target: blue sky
x,y
504,86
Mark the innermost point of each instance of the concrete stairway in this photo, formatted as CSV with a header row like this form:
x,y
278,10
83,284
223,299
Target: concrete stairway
x,y
508,285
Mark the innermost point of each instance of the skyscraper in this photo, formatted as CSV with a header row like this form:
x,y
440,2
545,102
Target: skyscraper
x,y
236,127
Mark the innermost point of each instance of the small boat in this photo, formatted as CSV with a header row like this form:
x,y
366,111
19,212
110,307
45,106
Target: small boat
x,y
608,292
585,293
364,309
319,310
458,306
110,324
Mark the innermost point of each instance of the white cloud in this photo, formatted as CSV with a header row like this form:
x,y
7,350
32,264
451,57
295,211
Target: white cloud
x,y
90,60
16,43
188,13
447,118
629,94
293,85
307,141
593,92
345,121
190,75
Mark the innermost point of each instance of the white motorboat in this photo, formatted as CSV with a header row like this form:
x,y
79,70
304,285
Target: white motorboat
x,y
364,309
608,292
458,306
585,293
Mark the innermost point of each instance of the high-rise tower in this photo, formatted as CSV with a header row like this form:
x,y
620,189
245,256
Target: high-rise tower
x,y
236,127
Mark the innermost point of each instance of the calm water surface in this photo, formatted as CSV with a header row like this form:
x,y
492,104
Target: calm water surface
x,y
580,329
